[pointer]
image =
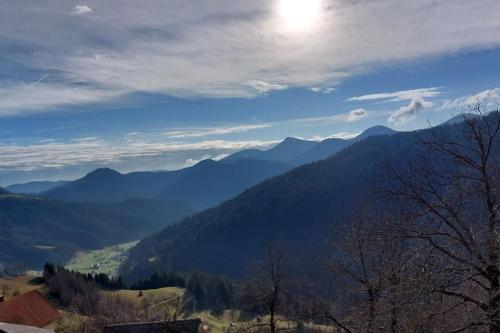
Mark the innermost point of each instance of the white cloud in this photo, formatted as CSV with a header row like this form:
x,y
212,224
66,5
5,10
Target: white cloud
x,y
340,135
200,132
410,111
192,161
357,114
263,87
81,10
29,98
322,90
228,48
90,150
400,95
486,98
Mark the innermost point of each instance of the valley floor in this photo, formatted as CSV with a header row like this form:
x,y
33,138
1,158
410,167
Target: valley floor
x,y
105,261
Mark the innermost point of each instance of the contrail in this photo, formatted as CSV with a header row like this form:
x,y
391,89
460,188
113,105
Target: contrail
x,y
40,79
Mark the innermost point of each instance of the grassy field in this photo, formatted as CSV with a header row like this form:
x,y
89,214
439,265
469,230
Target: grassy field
x,y
19,285
105,261
159,295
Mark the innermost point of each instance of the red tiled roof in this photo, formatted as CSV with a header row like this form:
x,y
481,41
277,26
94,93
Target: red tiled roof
x,y
28,309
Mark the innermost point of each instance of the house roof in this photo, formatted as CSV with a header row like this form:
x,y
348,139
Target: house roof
x,y
13,328
181,326
28,309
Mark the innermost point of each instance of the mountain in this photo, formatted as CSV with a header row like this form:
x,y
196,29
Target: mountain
x,y
243,154
36,187
299,205
34,230
203,185
374,131
459,119
209,183
107,185
329,147
287,150
3,191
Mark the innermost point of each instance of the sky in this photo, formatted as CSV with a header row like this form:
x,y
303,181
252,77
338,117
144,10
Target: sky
x,y
163,84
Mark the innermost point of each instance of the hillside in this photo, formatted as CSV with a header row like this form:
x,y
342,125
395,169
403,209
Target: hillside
x,y
107,185
209,183
203,185
287,150
35,187
329,147
34,230
298,206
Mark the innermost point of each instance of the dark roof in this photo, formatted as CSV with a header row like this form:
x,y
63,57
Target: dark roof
x,y
28,309
181,326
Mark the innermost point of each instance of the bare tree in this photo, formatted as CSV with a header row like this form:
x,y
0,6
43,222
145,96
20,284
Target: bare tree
x,y
270,282
451,192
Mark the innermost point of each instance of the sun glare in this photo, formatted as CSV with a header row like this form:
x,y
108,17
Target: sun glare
x,y
300,15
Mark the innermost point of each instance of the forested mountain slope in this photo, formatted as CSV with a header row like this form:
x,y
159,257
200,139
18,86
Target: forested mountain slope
x,y
34,230
298,206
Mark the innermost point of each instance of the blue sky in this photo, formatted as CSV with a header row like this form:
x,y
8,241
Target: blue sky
x,y
168,83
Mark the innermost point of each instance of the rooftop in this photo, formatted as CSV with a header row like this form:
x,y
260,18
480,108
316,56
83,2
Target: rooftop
x,y
182,326
28,309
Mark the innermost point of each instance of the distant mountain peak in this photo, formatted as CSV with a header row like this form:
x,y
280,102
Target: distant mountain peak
x,y
375,130
3,191
291,139
103,172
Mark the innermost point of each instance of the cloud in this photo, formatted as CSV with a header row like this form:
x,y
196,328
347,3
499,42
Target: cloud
x,y
30,98
225,48
356,115
81,10
54,154
400,95
322,90
410,111
263,87
194,133
192,161
486,98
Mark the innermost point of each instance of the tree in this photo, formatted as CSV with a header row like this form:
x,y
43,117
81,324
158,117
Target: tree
x,y
451,192
270,283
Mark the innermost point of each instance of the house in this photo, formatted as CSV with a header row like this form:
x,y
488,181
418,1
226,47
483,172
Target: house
x,y
30,309
181,326
13,328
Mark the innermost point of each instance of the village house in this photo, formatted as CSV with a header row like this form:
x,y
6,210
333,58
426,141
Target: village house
x,y
30,309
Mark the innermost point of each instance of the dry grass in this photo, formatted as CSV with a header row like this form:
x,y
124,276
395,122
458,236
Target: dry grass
x,y
18,285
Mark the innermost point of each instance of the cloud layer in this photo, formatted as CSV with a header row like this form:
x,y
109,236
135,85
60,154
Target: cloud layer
x,y
103,50
53,154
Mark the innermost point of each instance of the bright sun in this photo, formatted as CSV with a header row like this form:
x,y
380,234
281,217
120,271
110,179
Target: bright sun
x,y
300,15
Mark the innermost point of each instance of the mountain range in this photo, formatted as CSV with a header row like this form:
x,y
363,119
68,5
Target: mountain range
x,y
106,207
299,206
209,182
